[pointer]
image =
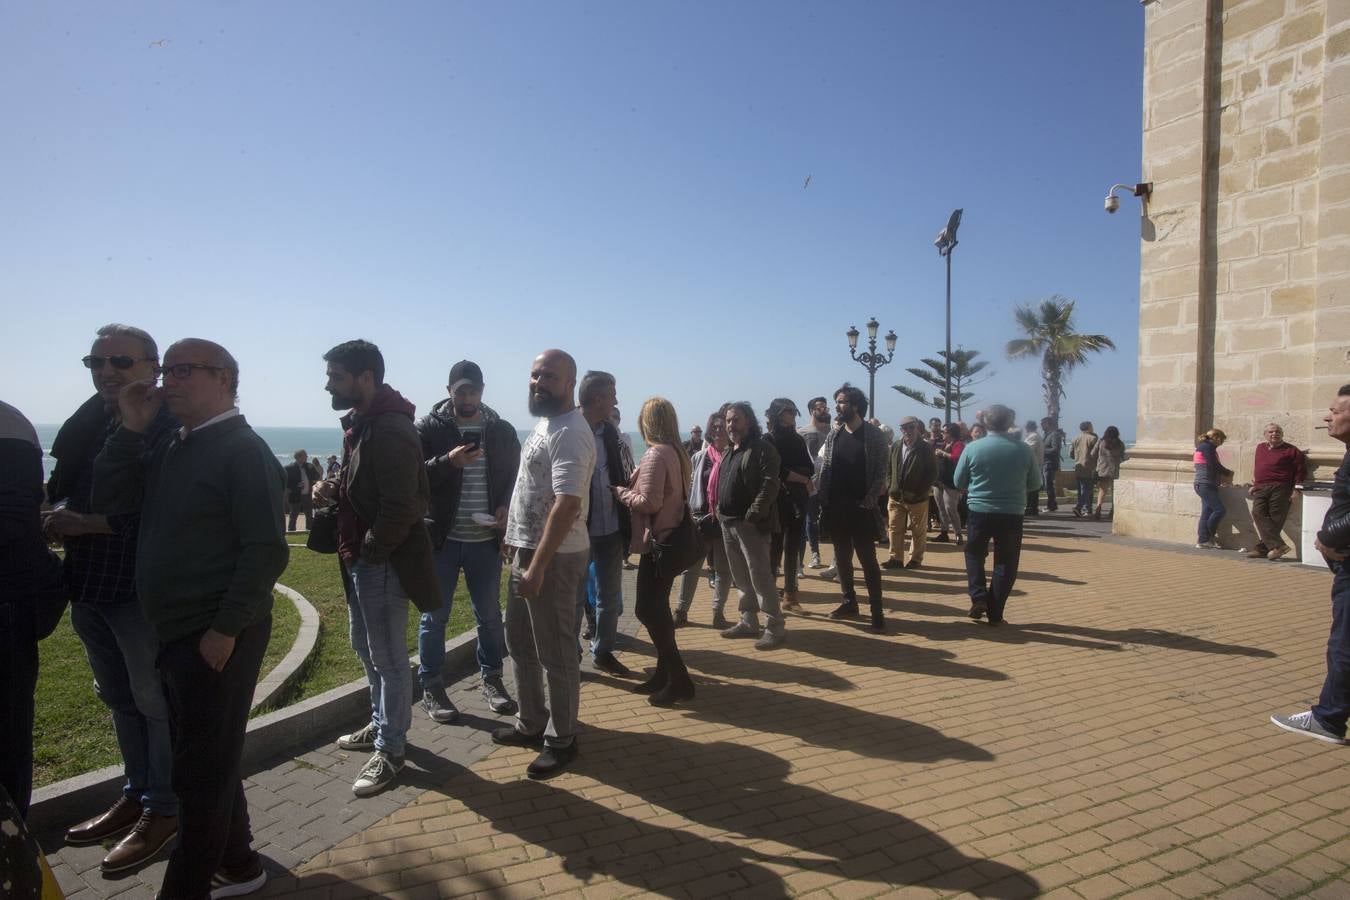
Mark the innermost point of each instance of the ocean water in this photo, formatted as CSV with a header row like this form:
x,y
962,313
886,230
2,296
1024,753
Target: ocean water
x,y
317,442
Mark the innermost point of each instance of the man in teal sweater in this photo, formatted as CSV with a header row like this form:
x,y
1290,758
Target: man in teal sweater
x,y
997,473
209,550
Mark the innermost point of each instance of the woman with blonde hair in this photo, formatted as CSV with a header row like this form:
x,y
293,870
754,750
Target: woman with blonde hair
x,y
657,495
1209,474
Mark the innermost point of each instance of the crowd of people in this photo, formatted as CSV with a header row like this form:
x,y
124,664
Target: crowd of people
x,y
173,512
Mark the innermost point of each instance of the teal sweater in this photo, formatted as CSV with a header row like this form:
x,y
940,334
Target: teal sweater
x,y
211,543
997,472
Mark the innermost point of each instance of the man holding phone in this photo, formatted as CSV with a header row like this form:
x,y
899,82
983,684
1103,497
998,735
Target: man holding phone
x,y
472,455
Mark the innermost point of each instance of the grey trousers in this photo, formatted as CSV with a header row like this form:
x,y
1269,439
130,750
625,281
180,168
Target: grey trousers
x,y
747,547
716,553
541,636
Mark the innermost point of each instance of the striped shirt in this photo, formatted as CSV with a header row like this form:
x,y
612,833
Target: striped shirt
x,y
473,493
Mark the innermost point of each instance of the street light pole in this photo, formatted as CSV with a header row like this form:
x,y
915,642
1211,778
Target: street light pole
x,y
870,359
946,243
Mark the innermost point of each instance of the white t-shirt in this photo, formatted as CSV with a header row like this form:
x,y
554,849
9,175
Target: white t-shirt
x,y
558,458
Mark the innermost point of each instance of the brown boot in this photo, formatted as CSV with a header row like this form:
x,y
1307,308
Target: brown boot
x,y
116,820
149,836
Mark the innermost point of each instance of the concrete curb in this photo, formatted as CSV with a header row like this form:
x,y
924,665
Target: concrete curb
x,y
280,679
56,807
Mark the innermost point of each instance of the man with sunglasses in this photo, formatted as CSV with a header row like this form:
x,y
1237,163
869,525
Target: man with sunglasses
x,y
209,549
100,573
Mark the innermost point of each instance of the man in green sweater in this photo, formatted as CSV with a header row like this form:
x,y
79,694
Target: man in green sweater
x,y
209,550
996,472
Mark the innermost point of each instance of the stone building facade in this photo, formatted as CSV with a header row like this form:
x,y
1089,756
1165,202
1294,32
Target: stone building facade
x,y
1244,288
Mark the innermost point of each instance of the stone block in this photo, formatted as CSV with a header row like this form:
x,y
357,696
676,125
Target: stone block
x,y
1336,78
1260,110
1168,343
1299,30
1235,307
1189,41
1265,205
1305,196
1177,163
1333,293
1337,45
1280,364
1247,146
1178,74
1249,82
1164,21
1288,301
1169,399
1233,368
1301,329
1160,315
1260,272
1332,326
1287,168
1170,283
1307,128
1251,17
1280,71
1176,105
1256,336
1164,371
1278,136
1239,243
1304,97
1334,187
1303,263
1164,140
1279,236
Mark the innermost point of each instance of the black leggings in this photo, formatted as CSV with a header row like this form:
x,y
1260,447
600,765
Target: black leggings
x,y
653,611
855,531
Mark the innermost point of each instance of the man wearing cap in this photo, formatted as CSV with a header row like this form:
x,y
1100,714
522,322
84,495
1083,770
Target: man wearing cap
x,y
911,470
795,468
472,456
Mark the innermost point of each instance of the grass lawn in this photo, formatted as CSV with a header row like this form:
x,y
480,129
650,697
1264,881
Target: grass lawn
x,y
72,730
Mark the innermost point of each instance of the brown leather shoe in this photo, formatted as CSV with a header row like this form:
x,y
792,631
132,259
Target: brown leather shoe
x,y
122,816
149,835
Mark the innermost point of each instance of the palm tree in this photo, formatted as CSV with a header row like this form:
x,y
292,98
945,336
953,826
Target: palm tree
x,y
963,372
1050,336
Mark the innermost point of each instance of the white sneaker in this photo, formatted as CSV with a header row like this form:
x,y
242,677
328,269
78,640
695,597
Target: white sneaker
x,y
815,560
1306,724
830,574
379,773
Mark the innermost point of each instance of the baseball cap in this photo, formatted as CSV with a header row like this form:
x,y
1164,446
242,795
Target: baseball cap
x,y
465,372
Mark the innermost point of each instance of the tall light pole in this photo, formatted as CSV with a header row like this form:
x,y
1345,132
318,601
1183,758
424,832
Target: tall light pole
x,y
946,243
870,359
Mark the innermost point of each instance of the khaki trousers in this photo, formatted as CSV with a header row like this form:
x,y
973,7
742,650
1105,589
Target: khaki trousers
x,y
911,517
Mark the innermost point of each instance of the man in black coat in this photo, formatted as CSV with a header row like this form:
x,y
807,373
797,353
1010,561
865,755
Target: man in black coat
x,y
299,479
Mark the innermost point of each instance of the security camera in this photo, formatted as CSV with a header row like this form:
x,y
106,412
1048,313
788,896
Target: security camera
x,y
1112,203
1142,190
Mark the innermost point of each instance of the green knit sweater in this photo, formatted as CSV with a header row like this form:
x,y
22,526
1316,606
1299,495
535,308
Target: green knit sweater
x,y
211,544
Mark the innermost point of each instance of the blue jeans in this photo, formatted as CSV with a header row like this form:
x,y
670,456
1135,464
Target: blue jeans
x,y
122,648
1005,529
377,607
1333,707
607,556
482,565
1211,512
1051,470
812,524
1084,501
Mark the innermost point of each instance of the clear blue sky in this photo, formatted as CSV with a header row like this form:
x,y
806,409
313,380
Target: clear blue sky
x,y
622,180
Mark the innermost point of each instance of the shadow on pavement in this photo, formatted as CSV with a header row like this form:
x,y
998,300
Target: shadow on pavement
x,y
852,647
761,667
750,818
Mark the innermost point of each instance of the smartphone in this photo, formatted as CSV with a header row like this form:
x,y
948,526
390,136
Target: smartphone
x,y
473,443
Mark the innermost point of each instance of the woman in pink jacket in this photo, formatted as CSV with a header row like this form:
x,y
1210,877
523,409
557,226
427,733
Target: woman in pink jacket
x,y
656,495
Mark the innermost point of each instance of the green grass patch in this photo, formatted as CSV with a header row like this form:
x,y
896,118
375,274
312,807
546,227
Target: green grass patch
x,y
72,729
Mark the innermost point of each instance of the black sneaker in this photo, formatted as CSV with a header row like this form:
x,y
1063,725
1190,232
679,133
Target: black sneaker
x,y
438,706
551,761
846,610
892,563
511,736
979,609
606,662
238,882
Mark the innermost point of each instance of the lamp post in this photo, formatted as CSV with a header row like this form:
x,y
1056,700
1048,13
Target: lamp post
x,y
870,359
946,243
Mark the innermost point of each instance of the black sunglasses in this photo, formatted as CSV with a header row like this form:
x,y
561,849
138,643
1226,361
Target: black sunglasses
x,y
118,362
183,370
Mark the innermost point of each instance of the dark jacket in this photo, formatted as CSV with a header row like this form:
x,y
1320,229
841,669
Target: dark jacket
x,y
747,484
875,451
1335,531
439,435
792,457
384,478
911,481
30,574
619,467
293,480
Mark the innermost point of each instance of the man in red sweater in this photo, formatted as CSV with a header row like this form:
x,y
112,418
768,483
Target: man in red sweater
x,y
1279,466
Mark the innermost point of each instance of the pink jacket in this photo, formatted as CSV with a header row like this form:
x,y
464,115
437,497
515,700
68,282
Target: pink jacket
x,y
656,496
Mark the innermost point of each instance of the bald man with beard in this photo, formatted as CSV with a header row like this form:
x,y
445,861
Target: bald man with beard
x,y
548,544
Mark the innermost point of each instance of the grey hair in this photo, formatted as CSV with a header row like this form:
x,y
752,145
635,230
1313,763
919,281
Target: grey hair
x,y
116,329
592,383
999,417
230,365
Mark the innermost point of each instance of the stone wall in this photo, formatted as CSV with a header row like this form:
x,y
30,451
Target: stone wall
x,y
1244,289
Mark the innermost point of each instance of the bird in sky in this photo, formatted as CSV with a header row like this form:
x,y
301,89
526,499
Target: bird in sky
x,y
807,183
162,42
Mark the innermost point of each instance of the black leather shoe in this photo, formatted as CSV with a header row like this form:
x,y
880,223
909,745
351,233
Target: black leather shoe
x,y
606,662
511,736
978,609
123,814
551,761
673,692
846,610
892,563
878,624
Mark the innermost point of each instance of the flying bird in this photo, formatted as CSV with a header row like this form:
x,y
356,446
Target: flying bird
x,y
162,42
807,183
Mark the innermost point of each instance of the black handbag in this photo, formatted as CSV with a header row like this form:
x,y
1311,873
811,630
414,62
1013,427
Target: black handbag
x,y
680,548
323,530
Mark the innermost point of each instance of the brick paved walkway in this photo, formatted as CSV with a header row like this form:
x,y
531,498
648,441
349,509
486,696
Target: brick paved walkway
x,y
1112,741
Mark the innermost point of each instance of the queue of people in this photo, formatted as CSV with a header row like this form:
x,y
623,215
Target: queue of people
x,y
172,512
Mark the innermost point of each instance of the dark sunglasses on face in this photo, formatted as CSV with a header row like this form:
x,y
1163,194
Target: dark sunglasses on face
x,y
182,370
118,362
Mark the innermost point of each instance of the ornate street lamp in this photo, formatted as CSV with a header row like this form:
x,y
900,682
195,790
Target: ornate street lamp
x,y
946,243
870,359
